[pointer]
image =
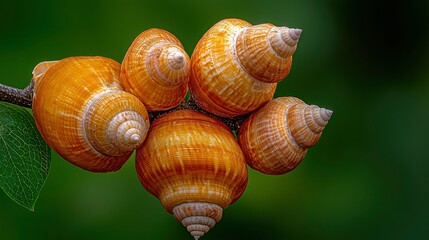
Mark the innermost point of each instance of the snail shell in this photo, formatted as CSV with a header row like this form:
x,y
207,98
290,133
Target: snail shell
x,y
235,66
193,164
156,70
276,137
84,115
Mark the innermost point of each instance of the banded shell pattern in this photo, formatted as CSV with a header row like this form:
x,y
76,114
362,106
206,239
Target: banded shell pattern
x,y
193,164
84,115
235,66
275,138
156,70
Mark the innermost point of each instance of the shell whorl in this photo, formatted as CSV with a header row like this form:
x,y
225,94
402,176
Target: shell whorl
x,y
284,40
156,69
265,51
275,138
114,124
198,217
306,123
167,64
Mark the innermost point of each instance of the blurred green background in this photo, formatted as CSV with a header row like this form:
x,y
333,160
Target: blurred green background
x,y
367,177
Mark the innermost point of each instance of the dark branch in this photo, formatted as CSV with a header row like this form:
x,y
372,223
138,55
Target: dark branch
x,y
21,97
233,123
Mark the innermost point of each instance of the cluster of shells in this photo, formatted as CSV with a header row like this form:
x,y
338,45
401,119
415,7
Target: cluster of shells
x,y
94,112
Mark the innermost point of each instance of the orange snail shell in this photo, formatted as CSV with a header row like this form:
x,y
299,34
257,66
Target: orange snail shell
x,y
84,115
275,138
235,66
193,164
156,70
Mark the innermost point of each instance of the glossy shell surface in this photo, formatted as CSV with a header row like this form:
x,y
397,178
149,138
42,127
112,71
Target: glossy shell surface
x,y
156,70
191,158
235,66
76,100
275,138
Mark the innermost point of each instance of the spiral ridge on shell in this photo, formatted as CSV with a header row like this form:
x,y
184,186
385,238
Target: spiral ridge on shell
x,y
198,218
235,66
276,137
193,164
156,70
76,101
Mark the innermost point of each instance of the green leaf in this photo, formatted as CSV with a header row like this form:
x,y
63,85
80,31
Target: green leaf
x,y
24,156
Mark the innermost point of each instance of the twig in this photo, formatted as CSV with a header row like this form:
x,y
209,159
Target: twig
x,y
233,123
21,97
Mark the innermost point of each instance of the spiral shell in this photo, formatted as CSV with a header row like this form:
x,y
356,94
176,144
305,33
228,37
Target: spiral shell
x,y
156,70
235,66
84,115
275,138
193,164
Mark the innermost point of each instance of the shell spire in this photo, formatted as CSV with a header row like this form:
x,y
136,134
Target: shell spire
x,y
276,137
198,218
265,51
284,40
306,123
110,127
156,70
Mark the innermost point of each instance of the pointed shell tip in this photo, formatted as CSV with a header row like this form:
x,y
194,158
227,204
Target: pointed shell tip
x,y
176,60
295,33
179,58
196,234
135,138
325,114
329,112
